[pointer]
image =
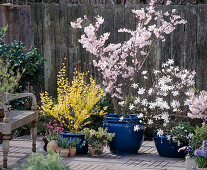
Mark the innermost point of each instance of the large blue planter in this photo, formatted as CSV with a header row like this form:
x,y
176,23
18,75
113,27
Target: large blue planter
x,y
167,148
81,147
126,140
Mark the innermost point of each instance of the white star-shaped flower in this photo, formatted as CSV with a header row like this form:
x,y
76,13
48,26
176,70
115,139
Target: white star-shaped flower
x,y
160,132
121,118
136,128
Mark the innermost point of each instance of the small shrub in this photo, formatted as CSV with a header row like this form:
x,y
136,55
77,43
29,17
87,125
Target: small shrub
x,y
197,139
37,161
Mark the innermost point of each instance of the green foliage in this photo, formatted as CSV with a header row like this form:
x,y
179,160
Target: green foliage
x,y
197,139
182,130
37,161
67,143
2,33
94,138
201,162
8,79
63,142
21,58
97,120
74,142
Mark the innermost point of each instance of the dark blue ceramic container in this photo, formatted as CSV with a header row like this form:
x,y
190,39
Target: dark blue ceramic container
x,y
82,147
126,140
167,148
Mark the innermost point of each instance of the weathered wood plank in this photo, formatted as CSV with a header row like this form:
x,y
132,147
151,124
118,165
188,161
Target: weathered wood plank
x,y
165,48
61,31
201,78
129,21
49,49
119,22
178,45
86,57
191,51
74,12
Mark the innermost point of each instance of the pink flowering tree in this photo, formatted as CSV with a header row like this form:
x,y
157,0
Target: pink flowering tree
x,y
198,106
119,63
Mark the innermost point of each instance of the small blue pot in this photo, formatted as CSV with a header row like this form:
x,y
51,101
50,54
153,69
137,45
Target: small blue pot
x,y
126,140
82,146
166,148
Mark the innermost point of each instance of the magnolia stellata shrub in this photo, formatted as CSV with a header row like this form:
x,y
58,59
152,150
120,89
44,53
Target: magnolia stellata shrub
x,y
119,63
166,100
75,101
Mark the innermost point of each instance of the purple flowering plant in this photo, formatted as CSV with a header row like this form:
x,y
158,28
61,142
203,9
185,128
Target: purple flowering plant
x,y
200,155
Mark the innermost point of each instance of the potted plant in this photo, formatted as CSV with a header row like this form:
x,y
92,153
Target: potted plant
x,y
52,133
73,144
198,110
64,145
119,64
76,102
97,140
200,156
195,144
165,103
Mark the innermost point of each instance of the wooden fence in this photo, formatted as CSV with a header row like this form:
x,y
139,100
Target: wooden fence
x,y
50,31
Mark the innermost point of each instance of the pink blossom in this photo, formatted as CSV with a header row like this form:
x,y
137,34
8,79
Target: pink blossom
x,y
198,106
119,62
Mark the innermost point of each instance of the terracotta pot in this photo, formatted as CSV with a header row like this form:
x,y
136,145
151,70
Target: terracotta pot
x,y
64,152
52,145
58,150
96,151
201,168
72,151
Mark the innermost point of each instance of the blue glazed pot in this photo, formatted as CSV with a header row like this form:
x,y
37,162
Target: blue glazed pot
x,y
167,148
126,140
81,147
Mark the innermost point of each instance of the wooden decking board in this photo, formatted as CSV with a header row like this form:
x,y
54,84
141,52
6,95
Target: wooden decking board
x,y
147,158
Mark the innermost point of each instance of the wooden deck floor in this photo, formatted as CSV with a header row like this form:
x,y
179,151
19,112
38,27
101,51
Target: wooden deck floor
x,y
147,158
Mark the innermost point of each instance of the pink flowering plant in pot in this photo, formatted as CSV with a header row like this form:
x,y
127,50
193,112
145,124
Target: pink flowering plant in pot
x,y
52,133
118,64
53,130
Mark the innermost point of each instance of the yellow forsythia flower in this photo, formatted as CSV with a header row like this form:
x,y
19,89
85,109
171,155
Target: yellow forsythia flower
x,y
75,101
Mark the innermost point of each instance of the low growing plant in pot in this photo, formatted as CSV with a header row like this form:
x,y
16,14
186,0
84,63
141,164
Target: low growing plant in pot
x,y
76,102
165,103
97,140
64,145
73,144
200,156
119,64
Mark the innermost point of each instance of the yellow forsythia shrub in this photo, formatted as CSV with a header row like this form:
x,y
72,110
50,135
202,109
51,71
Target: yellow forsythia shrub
x,y
75,102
